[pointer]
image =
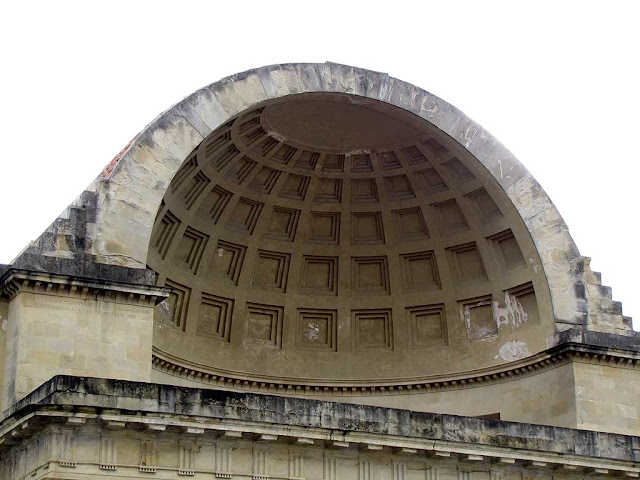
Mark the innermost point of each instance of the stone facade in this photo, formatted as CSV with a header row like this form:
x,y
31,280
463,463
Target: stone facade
x,y
299,235
118,429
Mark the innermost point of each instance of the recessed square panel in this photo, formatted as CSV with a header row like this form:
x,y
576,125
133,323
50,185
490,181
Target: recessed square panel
x,y
508,250
319,275
173,310
249,125
216,314
522,306
214,203
240,169
432,181
451,216
295,187
414,155
333,163
485,207
226,263
466,263
419,272
477,314
284,154
324,228
218,150
283,224
271,271
366,228
253,135
389,161
372,329
329,190
264,324
194,187
364,190
223,156
399,188
370,276
410,224
265,180
266,146
317,329
361,163
164,233
307,160
427,325
245,215
190,249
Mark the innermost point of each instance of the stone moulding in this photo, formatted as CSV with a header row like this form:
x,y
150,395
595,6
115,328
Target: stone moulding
x,y
93,404
124,199
15,281
548,359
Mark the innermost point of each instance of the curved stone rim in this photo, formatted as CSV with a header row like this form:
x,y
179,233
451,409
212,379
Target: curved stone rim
x,y
549,359
126,197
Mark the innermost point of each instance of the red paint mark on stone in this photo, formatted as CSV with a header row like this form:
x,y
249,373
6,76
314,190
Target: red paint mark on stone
x,y
111,166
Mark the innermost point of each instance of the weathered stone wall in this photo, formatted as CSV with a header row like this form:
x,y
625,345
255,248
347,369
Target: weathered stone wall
x,y
83,428
4,327
11,358
57,334
607,397
75,325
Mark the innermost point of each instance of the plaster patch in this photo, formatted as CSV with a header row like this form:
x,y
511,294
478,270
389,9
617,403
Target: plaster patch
x,y
313,332
276,135
480,331
511,314
514,350
358,152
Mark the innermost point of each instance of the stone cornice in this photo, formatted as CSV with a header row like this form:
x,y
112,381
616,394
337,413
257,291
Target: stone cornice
x,y
76,401
16,280
343,444
551,358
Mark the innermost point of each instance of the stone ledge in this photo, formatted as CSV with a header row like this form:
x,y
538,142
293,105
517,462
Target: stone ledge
x,y
630,341
83,268
78,278
208,406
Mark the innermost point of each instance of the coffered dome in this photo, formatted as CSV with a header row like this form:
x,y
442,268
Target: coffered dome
x,y
326,239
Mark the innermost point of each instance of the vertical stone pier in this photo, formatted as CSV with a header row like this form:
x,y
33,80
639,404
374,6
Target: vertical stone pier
x,y
75,317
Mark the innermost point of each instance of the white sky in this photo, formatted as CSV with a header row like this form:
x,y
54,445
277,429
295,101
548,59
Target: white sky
x,y
557,82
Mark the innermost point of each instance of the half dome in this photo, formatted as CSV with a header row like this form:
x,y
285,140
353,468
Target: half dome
x,y
328,239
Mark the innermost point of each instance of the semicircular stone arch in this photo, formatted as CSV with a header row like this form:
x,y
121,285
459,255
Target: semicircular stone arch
x,y
131,196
